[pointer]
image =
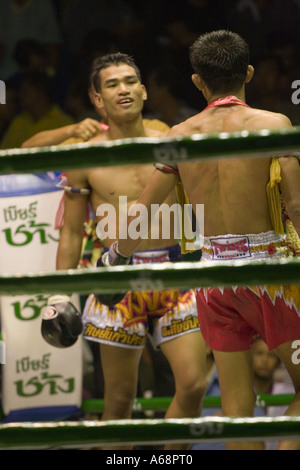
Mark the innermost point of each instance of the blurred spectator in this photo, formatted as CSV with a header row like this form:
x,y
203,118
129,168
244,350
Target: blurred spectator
x,y
77,101
264,91
257,20
191,18
172,28
284,47
38,111
96,43
271,90
165,97
27,19
265,363
270,377
248,18
267,373
83,16
194,17
284,18
30,56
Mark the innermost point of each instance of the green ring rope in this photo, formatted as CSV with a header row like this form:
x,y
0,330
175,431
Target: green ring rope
x,y
146,431
148,150
268,143
180,275
162,403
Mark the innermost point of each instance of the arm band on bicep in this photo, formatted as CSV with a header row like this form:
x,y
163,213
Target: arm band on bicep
x,y
83,191
166,168
63,184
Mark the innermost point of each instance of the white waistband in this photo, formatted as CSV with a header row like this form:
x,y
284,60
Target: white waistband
x,y
159,255
142,257
257,246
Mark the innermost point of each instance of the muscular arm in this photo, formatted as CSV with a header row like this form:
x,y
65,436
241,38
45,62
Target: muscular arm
x,y
156,191
290,188
82,130
70,243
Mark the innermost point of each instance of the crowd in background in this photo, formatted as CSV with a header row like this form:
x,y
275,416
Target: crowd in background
x,y
52,43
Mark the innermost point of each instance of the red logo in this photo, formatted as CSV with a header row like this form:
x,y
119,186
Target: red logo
x,y
233,247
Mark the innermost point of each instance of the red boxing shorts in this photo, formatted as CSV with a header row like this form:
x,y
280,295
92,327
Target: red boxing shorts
x,y
231,318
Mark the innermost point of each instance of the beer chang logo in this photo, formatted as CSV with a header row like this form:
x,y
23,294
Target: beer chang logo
x,y
162,222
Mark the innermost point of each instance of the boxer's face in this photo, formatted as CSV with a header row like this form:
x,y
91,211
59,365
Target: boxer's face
x,y
122,94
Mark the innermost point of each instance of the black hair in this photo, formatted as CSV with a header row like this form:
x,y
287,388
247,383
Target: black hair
x,y
221,59
106,61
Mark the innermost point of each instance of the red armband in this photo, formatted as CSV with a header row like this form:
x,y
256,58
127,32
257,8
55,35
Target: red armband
x,y
166,168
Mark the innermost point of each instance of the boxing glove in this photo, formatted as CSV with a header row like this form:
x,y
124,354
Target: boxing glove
x,y
61,322
112,257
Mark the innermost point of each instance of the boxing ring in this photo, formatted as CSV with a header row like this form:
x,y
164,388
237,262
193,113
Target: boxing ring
x,y
181,275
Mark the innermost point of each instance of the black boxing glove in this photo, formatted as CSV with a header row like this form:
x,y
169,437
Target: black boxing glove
x,y
112,257
61,322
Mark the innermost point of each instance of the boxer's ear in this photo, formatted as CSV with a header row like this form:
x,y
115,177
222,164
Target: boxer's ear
x,y
250,73
198,82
